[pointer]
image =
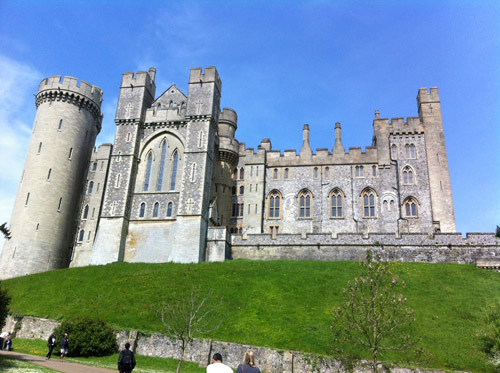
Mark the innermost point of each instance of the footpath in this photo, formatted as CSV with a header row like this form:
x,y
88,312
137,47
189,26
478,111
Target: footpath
x,y
55,363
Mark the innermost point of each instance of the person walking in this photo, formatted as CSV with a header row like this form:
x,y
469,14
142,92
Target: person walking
x,y
64,346
8,343
126,360
51,343
3,336
248,365
218,366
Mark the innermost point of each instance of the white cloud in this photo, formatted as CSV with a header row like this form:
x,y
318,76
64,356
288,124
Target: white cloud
x,y
17,112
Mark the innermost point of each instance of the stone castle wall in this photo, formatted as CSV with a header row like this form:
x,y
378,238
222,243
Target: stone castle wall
x,y
438,248
200,351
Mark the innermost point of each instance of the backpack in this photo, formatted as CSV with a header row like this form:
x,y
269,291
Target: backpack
x,y
127,358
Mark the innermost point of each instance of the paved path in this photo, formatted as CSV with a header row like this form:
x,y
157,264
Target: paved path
x,y
56,364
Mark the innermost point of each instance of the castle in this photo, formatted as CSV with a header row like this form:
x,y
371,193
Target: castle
x,y
178,186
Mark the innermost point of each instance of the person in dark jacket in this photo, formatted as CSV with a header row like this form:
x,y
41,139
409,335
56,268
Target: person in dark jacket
x,y
64,346
126,360
248,365
51,343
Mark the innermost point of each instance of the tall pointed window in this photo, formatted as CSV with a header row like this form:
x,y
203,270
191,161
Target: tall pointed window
x,y
275,174
235,173
286,173
80,236
174,170
359,171
274,203
91,187
142,210
315,172
368,196
408,175
336,203
242,173
148,171
169,209
155,210
85,212
242,189
410,151
305,199
410,207
162,165
394,151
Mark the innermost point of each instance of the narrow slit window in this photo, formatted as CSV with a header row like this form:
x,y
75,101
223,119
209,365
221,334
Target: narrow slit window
x,y
155,210
27,199
39,148
60,125
148,172
174,171
159,184
169,209
142,210
60,204
70,153
49,174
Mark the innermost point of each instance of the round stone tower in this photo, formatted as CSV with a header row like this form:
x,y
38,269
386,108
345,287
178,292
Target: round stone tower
x,y
227,158
67,122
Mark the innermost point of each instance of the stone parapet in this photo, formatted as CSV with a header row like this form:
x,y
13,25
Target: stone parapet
x,y
201,350
438,248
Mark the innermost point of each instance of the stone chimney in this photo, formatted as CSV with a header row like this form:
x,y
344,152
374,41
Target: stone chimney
x,y
338,148
305,151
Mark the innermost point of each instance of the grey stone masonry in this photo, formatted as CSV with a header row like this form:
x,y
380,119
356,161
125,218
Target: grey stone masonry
x,y
438,248
67,122
201,350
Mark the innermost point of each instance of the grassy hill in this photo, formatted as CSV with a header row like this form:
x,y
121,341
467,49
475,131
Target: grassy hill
x,y
279,304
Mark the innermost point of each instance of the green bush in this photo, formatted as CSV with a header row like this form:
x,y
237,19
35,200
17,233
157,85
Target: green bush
x,y
87,337
4,306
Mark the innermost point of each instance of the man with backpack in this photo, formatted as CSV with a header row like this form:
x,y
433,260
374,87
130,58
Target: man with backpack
x,y
126,361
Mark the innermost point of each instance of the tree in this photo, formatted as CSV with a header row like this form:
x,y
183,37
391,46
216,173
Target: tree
x,y
184,316
5,231
497,232
374,316
4,306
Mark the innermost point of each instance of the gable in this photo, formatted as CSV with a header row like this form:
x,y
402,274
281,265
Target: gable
x,y
172,97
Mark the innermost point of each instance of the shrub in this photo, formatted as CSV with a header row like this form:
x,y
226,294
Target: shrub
x,y
87,337
489,332
4,307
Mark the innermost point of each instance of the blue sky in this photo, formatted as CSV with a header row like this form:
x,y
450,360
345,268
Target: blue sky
x,y
282,64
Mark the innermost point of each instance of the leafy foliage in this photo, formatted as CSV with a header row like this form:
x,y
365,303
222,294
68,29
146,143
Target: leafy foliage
x,y
374,316
4,306
87,337
489,333
497,232
186,315
5,231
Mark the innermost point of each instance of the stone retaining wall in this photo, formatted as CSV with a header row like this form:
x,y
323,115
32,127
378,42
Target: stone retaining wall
x,y
437,248
200,351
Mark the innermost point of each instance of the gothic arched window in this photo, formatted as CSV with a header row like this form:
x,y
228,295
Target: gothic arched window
x,y
169,209
336,203
142,210
175,163
408,175
91,187
369,198
242,189
410,207
162,165
85,212
148,171
394,151
242,173
286,173
80,236
155,210
274,203
410,151
305,200
359,171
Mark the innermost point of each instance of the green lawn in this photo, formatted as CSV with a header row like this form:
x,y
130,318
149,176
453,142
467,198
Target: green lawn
x,y
278,304
144,363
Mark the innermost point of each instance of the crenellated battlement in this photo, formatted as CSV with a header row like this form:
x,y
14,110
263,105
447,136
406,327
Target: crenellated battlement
x,y
210,75
400,125
69,83
228,115
427,95
139,79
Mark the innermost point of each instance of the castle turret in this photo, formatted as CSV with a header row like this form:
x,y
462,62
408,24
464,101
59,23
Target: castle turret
x,y
305,151
429,111
67,122
338,148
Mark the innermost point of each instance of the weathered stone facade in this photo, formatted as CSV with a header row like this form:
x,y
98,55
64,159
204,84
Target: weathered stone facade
x,y
177,185
201,350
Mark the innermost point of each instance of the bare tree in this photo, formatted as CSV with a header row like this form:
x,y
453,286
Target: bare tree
x,y
374,316
188,315
5,231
